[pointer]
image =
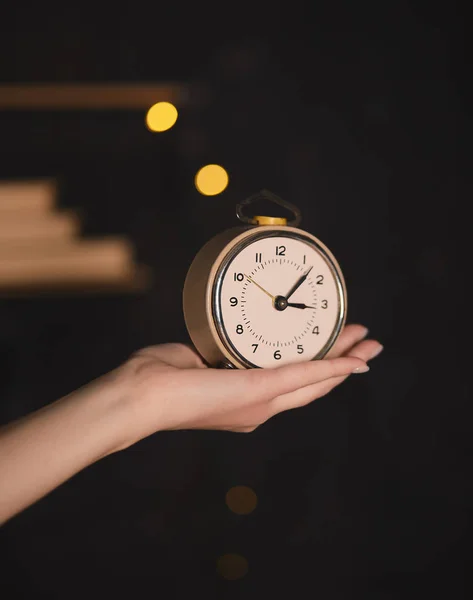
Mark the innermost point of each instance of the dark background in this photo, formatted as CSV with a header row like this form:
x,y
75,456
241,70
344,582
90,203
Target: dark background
x,y
360,116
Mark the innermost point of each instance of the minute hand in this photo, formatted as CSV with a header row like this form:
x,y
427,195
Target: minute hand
x,y
298,283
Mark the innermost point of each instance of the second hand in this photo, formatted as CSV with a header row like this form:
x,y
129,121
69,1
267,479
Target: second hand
x,y
273,298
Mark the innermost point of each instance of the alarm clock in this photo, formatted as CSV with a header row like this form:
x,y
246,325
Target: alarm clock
x,y
264,293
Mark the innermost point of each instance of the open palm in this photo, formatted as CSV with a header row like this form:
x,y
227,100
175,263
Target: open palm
x,y
174,389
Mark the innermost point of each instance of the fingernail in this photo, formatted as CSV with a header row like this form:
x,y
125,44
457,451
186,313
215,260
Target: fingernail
x,y
362,369
377,351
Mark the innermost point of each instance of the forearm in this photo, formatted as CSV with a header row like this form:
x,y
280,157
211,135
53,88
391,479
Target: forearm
x,y
49,446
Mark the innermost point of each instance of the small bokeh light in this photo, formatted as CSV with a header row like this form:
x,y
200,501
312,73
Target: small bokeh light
x,y
232,566
161,116
211,180
241,499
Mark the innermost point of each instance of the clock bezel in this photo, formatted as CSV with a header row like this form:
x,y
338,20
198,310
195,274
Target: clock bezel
x,y
222,264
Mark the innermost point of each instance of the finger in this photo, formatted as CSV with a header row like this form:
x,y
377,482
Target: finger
x,y
286,379
366,350
306,395
247,429
350,335
176,355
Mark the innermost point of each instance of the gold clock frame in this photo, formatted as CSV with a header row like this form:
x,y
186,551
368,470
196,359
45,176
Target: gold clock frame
x,y
204,279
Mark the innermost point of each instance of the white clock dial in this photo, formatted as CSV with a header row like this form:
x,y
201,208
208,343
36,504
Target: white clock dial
x,y
260,319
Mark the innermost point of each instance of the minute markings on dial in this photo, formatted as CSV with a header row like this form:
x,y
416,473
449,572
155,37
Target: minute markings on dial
x,y
247,324
247,285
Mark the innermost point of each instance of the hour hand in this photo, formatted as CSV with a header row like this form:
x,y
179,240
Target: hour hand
x,y
298,305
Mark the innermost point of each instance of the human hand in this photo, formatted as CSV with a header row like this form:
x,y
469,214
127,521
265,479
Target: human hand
x,y
168,387
159,388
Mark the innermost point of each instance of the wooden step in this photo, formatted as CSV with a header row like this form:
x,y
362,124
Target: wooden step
x,y
82,261
17,228
115,247
27,197
137,280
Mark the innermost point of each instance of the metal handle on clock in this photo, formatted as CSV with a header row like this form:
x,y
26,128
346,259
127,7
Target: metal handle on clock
x,y
265,195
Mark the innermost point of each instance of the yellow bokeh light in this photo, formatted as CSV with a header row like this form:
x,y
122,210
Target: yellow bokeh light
x,y
161,116
232,566
241,499
211,180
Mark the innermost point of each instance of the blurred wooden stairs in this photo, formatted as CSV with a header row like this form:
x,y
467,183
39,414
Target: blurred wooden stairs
x,y
42,251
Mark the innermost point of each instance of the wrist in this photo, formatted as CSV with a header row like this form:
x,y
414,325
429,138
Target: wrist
x,y
111,397
94,417
124,398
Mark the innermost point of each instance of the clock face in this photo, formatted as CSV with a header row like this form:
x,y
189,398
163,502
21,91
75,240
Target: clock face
x,y
278,300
